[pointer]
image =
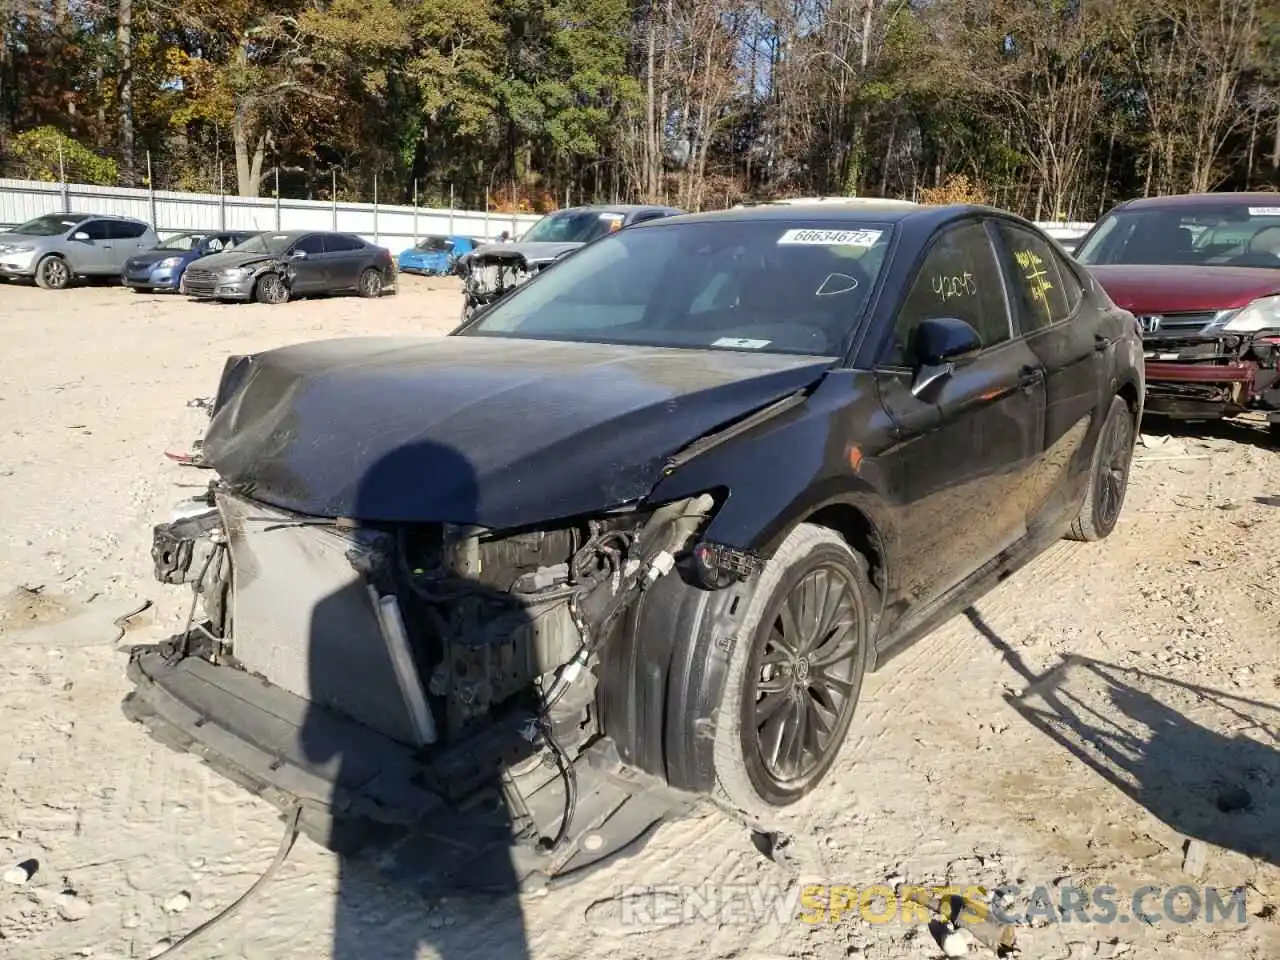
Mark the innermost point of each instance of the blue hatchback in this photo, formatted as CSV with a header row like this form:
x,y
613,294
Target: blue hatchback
x,y
161,267
433,256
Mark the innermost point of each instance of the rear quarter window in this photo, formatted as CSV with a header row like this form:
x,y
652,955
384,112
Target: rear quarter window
x,y
1044,288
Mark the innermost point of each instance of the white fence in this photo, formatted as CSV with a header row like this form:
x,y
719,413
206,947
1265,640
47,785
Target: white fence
x,y
395,227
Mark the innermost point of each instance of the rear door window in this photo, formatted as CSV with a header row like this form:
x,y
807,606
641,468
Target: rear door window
x,y
340,243
126,229
1044,290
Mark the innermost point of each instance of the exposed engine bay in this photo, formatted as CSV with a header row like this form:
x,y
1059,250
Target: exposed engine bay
x,y
486,637
492,271
488,278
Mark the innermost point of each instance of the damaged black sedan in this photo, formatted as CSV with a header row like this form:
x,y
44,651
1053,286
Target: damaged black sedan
x,y
497,604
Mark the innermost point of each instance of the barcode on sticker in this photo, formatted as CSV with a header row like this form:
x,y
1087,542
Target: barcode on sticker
x,y
831,238
1264,211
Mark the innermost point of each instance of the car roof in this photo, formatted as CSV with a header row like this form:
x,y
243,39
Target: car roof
x,y
1177,200
77,215
884,211
612,208
848,201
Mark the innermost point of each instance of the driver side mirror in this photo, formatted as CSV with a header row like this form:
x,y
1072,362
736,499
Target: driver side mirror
x,y
80,235
941,343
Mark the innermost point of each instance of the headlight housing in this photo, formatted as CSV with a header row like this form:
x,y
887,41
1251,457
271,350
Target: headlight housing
x,y
237,273
169,262
1262,314
16,248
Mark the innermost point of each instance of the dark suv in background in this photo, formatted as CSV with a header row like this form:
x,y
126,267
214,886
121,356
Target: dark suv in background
x,y
57,248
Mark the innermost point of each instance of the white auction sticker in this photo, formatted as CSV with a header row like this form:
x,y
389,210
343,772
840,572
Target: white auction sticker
x,y
1264,211
742,342
831,238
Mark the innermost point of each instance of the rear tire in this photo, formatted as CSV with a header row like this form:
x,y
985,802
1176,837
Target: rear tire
x,y
1108,476
52,273
370,285
794,675
271,288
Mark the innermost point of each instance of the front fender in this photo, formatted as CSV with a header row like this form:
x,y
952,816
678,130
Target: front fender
x,y
792,465
662,678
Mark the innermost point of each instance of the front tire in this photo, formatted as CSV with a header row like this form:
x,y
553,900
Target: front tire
x,y
270,288
52,273
1108,476
794,675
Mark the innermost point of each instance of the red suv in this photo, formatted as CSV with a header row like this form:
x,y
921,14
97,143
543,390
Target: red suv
x,y
1202,274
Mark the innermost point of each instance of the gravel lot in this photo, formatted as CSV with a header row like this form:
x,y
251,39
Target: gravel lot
x,y
1077,729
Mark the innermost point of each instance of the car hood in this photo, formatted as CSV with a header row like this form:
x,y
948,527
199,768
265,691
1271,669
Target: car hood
x,y
477,430
536,252
155,256
232,259
14,239
1183,289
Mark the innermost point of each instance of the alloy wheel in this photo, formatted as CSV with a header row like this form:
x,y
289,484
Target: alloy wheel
x,y
806,677
1113,470
55,273
272,289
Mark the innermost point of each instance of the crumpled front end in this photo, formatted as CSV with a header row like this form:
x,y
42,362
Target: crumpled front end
x,y
202,282
492,271
405,683
1197,366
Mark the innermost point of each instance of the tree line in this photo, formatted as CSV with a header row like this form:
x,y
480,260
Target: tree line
x,y
1053,108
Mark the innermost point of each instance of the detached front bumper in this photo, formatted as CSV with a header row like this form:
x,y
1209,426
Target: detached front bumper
x,y
444,826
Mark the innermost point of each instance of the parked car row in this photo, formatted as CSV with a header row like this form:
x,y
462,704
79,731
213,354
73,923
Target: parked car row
x,y
58,249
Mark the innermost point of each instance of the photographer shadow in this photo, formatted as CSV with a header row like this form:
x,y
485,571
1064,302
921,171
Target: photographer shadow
x,y
391,866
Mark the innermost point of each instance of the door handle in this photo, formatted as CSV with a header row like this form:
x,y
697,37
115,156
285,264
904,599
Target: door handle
x,y
1028,377
1100,343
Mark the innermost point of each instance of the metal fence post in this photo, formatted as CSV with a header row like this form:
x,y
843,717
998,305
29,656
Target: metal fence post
x,y
451,228
415,212
333,172
277,196
62,178
151,194
222,199
376,237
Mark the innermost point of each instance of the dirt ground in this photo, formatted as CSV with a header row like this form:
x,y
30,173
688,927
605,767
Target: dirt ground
x,y
1076,730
